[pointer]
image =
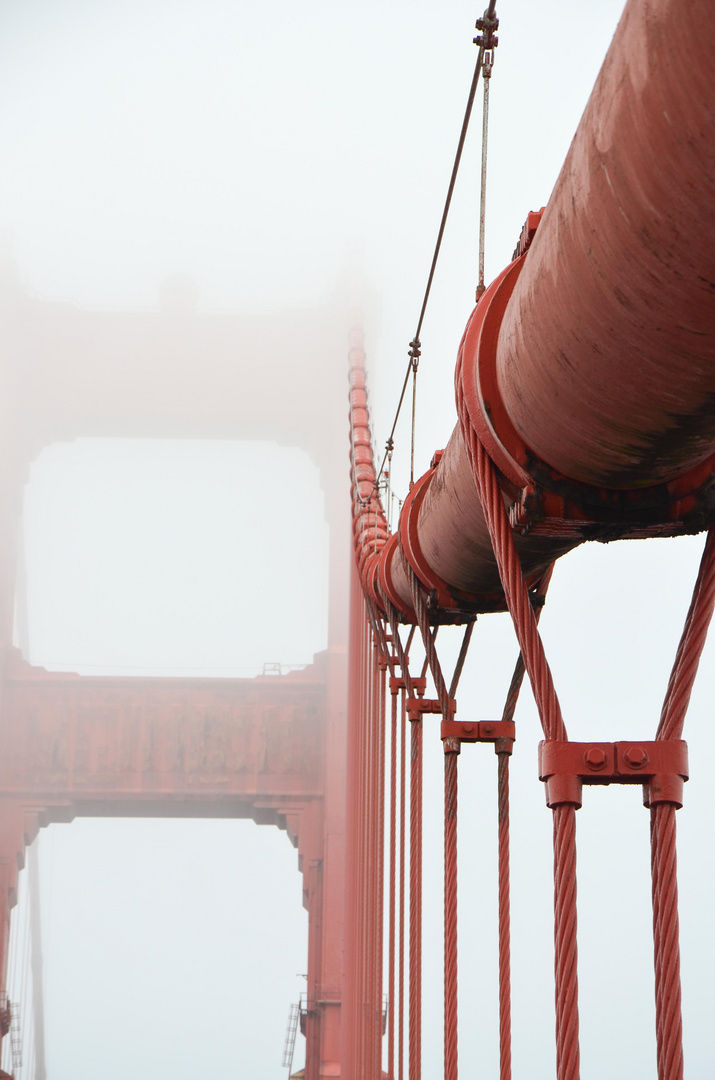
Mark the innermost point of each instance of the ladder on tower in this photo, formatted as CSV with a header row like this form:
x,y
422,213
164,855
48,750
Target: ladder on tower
x,y
289,1048
15,1038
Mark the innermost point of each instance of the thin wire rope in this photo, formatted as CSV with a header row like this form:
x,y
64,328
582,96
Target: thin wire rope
x,y
414,415
392,900
486,79
489,16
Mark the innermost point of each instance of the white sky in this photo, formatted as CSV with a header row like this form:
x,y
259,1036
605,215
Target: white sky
x,y
261,149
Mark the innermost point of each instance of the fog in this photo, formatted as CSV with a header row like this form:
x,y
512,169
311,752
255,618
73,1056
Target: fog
x,y
250,166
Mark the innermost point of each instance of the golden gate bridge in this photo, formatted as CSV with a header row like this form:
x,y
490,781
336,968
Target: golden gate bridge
x,y
584,390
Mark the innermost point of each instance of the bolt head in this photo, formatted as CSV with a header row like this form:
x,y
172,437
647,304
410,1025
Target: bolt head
x,y
468,729
636,757
488,729
595,758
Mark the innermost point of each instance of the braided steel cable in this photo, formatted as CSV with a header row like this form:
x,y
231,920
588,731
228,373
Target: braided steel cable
x,y
504,902
464,648
401,942
537,668
364,908
451,1029
415,844
486,43
392,888
669,1024
691,645
374,1006
399,648
538,596
515,588
451,752
655,888
663,825
420,606
415,984
380,906
566,956
504,917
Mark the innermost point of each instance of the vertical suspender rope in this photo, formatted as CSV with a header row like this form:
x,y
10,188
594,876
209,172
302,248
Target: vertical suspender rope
x,y
564,815
414,953
380,862
401,948
415,967
504,889
363,884
415,934
451,747
663,826
392,889
504,905
451,757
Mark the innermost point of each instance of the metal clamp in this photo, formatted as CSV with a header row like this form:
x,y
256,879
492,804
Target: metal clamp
x,y
500,732
661,767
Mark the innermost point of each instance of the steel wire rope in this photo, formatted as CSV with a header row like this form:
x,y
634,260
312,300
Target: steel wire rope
x,y
392,886
451,748
415,867
666,931
564,815
503,856
487,65
486,41
402,651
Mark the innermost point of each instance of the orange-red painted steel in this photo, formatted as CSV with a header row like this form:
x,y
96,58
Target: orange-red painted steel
x,y
585,391
621,266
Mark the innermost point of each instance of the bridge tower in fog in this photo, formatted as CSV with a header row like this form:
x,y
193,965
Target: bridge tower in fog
x,y
270,748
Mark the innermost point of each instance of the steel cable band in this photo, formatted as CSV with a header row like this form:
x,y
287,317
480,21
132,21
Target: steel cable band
x,y
537,668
